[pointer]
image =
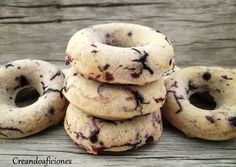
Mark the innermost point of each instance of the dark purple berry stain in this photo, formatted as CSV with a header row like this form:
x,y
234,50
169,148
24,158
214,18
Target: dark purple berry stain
x,y
68,126
130,34
232,121
136,50
98,76
135,75
109,76
107,35
100,69
210,119
218,90
106,66
167,40
170,62
139,99
49,90
22,80
44,87
94,51
177,98
110,40
9,65
93,45
206,76
191,86
173,67
174,85
108,121
158,100
98,149
58,73
11,129
143,60
94,136
90,78
94,133
80,135
150,139
127,68
156,120
226,77
51,111
68,59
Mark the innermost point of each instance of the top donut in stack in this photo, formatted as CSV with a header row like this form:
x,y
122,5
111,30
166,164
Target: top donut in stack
x,y
120,53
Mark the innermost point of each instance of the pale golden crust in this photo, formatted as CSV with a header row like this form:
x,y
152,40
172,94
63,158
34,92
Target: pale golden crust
x,y
113,102
120,53
217,124
97,135
49,109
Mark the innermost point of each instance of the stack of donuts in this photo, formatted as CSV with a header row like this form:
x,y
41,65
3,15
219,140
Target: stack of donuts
x,y
115,86
120,76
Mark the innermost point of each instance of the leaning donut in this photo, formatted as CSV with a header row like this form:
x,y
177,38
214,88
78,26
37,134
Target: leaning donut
x,y
97,135
120,53
113,102
16,122
218,123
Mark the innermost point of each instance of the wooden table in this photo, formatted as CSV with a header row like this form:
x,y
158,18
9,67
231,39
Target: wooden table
x,y
202,32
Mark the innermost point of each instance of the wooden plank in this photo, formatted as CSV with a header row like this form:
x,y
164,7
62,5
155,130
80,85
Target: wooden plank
x,y
202,32
173,147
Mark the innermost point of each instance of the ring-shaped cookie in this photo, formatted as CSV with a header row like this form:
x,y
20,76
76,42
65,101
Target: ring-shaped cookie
x,y
120,53
49,109
214,124
97,135
113,102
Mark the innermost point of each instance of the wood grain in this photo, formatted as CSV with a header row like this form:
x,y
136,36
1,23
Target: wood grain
x,y
202,32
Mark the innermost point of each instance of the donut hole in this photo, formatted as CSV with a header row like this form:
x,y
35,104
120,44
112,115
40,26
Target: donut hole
x,y
120,39
203,100
26,96
116,40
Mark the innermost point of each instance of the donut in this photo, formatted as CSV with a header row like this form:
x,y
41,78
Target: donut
x,y
168,73
98,135
120,53
215,123
48,110
113,102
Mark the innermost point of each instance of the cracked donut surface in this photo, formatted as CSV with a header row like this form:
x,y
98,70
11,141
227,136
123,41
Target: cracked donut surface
x,y
218,123
49,109
120,53
113,102
98,135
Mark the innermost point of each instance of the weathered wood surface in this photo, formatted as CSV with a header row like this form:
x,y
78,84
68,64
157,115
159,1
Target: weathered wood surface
x,y
202,32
